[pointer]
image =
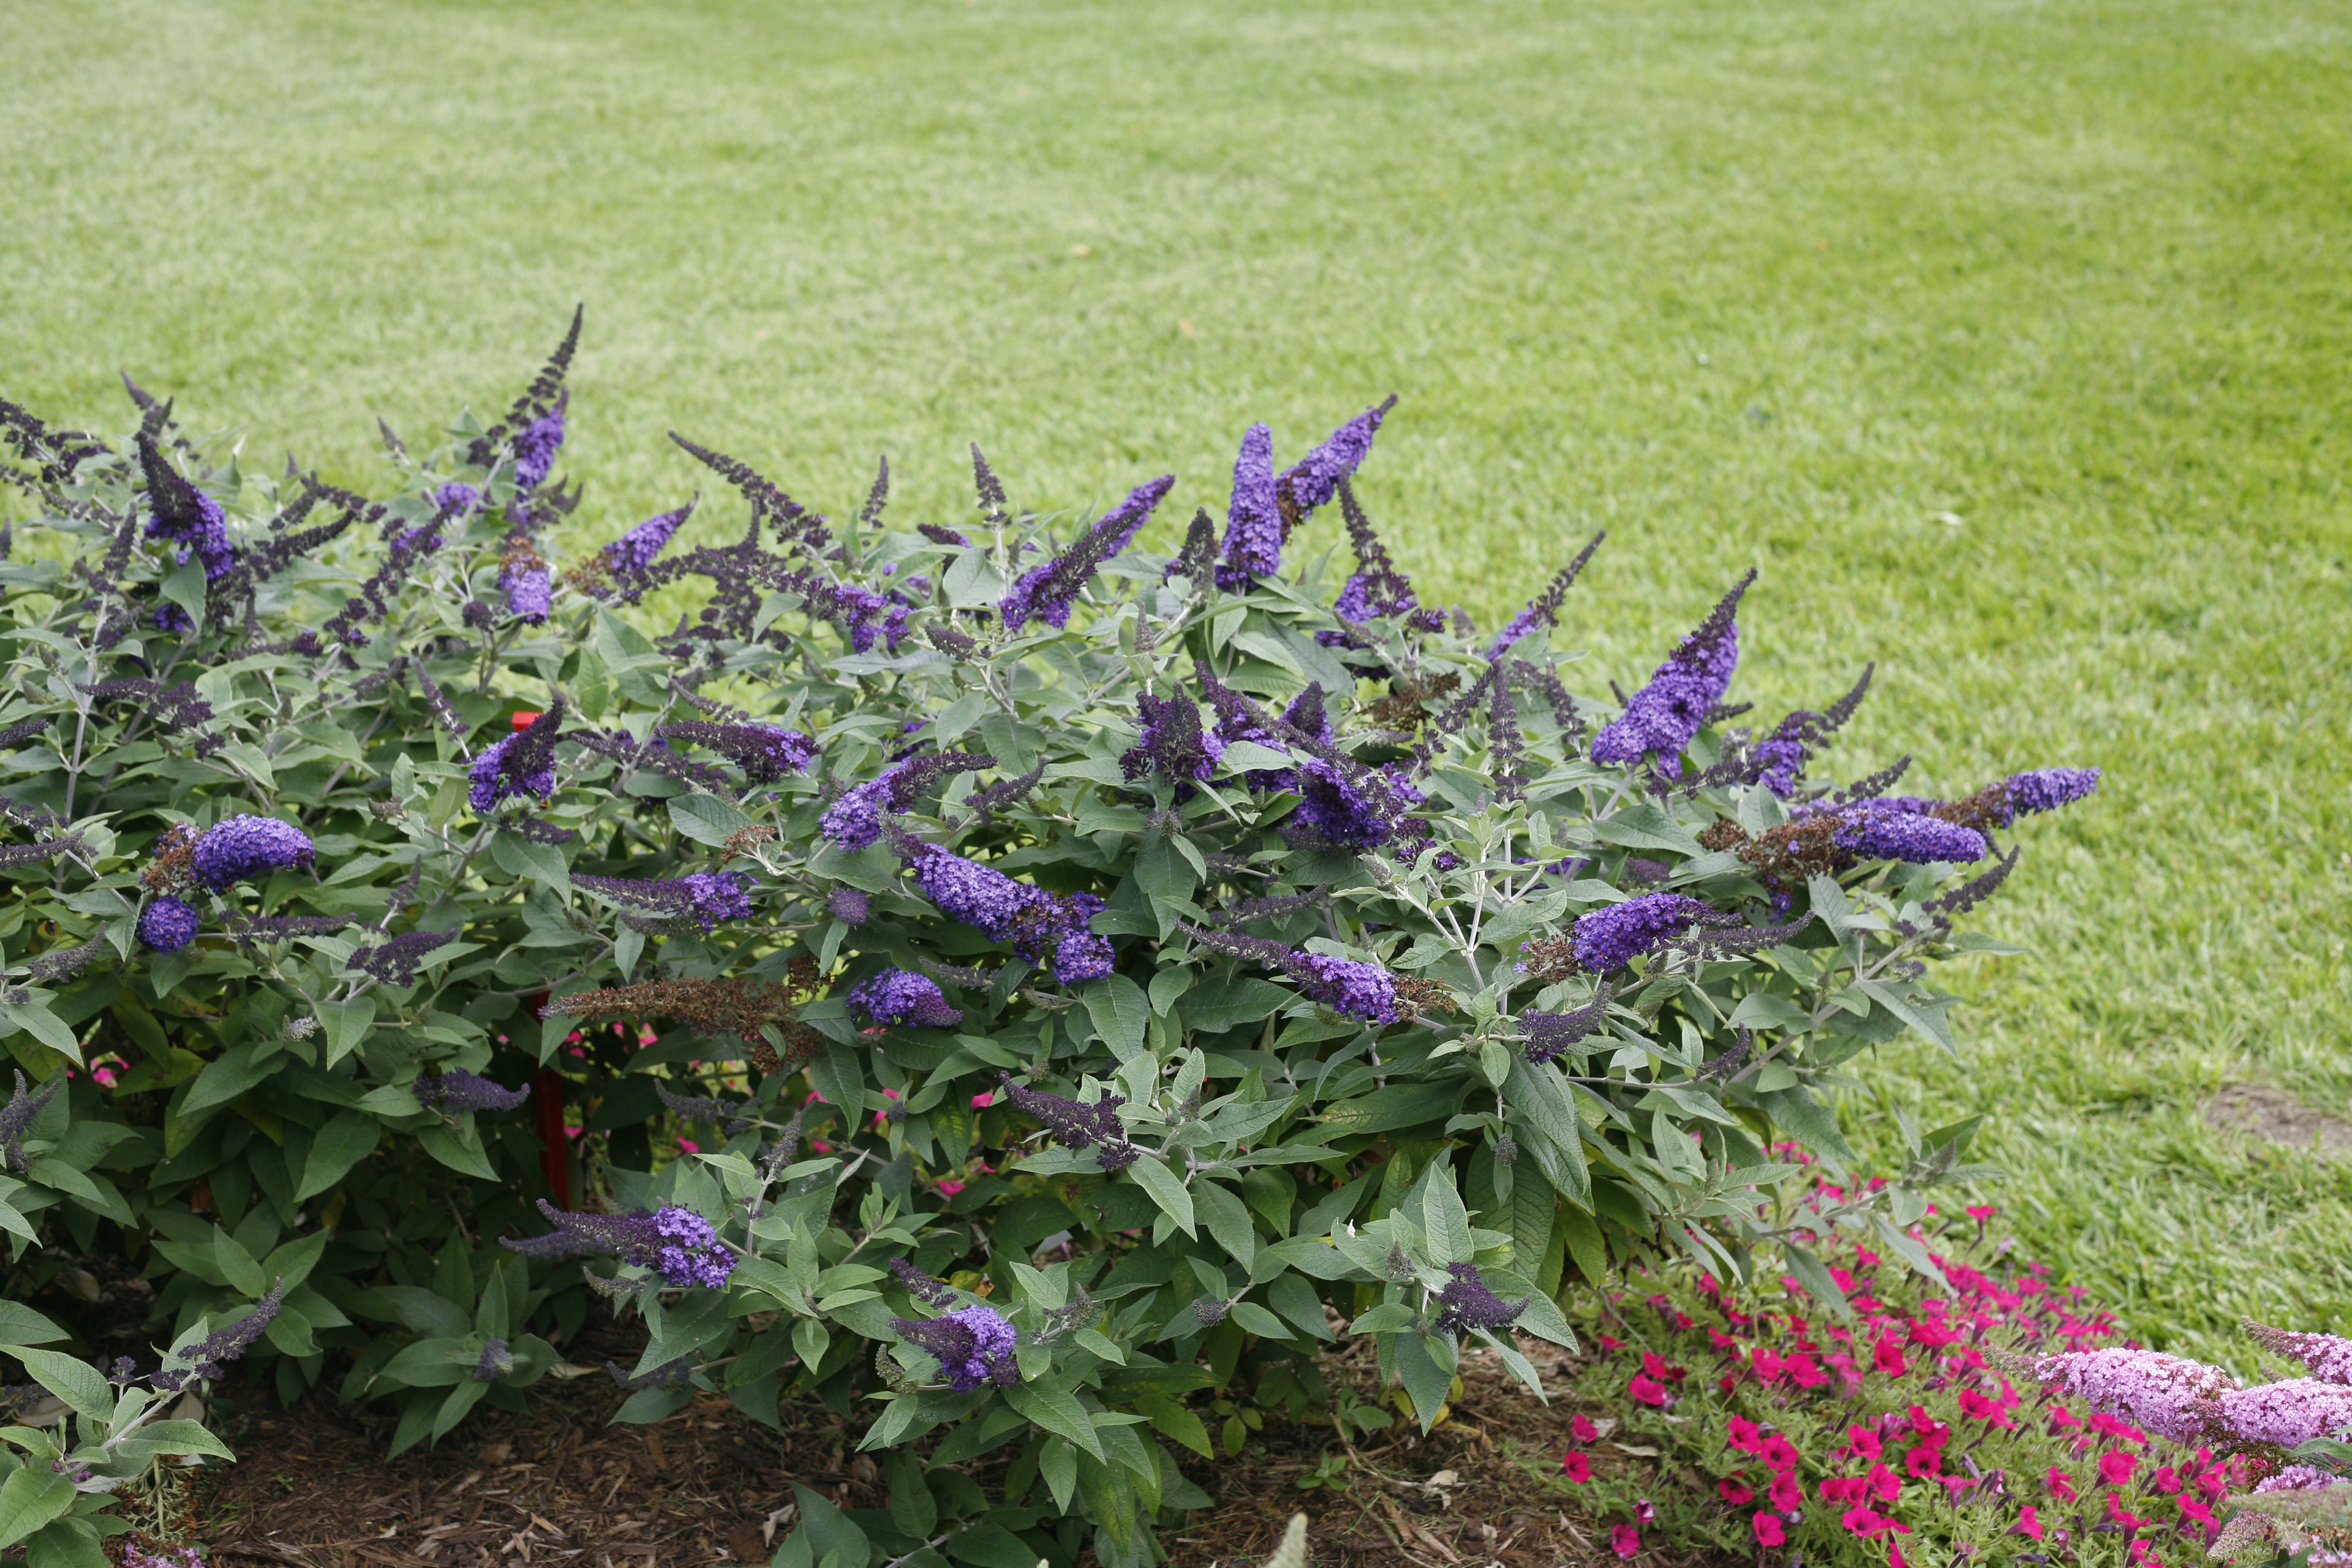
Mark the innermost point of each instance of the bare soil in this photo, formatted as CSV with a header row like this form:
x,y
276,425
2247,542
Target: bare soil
x,y
2278,1117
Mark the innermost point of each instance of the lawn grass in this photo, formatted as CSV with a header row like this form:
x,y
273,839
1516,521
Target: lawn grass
x,y
2009,341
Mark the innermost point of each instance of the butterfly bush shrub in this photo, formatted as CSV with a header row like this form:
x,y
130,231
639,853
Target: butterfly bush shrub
x,y
1011,982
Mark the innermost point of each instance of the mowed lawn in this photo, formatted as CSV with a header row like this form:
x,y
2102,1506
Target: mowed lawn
x,y
2009,340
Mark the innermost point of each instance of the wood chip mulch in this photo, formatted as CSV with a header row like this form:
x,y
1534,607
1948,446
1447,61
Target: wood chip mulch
x,y
707,1486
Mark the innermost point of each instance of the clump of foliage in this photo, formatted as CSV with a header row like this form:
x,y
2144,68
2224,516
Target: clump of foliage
x,y
1010,982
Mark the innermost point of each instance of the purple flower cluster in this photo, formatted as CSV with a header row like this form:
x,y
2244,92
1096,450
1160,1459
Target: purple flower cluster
x,y
1346,985
1348,809
2046,789
496,1360
849,906
1466,1306
453,1091
1173,744
973,1346
179,511
456,499
901,997
705,898
764,752
930,1292
1377,587
245,848
519,766
2288,1413
535,445
1077,1126
2329,1356
1551,1034
1254,532
1037,923
167,924
1314,478
677,1243
1661,719
1880,830
1781,755
1049,592
206,1357
855,820
530,591
1607,940
628,556
395,962
2169,1395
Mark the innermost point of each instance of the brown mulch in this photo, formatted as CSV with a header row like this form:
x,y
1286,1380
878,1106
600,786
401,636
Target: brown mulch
x,y
707,1485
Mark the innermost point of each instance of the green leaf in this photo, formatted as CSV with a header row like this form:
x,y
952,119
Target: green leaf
x,y
346,1025
71,1379
1260,1321
1222,1211
1166,1191
830,1531
1121,1013
1444,1220
526,861
20,1325
1424,1379
1815,1126
460,1148
346,1139
1054,1407
29,1499
43,1026
1910,1251
706,819
1815,1276
1059,1461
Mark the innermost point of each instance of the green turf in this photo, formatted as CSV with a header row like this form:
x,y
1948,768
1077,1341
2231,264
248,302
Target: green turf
x,y
2009,340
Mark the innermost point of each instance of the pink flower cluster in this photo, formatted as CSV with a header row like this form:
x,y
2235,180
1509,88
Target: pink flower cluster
x,y
1896,1420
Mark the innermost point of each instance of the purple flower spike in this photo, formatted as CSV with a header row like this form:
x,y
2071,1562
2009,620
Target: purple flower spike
x,y
1543,610
1608,940
2329,1356
530,591
455,1091
677,1243
1467,1305
629,555
1253,530
206,1357
1037,923
973,1346
246,849
456,499
1661,719
167,924
1359,990
522,764
1174,745
1077,1126
178,510
1314,479
1892,834
764,752
705,898
2047,789
850,906
900,997
535,446
1049,592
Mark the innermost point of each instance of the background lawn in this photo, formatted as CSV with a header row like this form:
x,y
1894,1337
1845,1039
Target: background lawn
x,y
2009,341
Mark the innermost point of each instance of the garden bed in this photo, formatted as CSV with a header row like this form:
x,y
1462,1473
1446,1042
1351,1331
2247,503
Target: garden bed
x,y
703,1486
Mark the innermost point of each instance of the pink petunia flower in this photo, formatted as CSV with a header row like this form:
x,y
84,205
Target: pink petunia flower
x,y
1767,1529
1625,1541
1583,1430
1577,1465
